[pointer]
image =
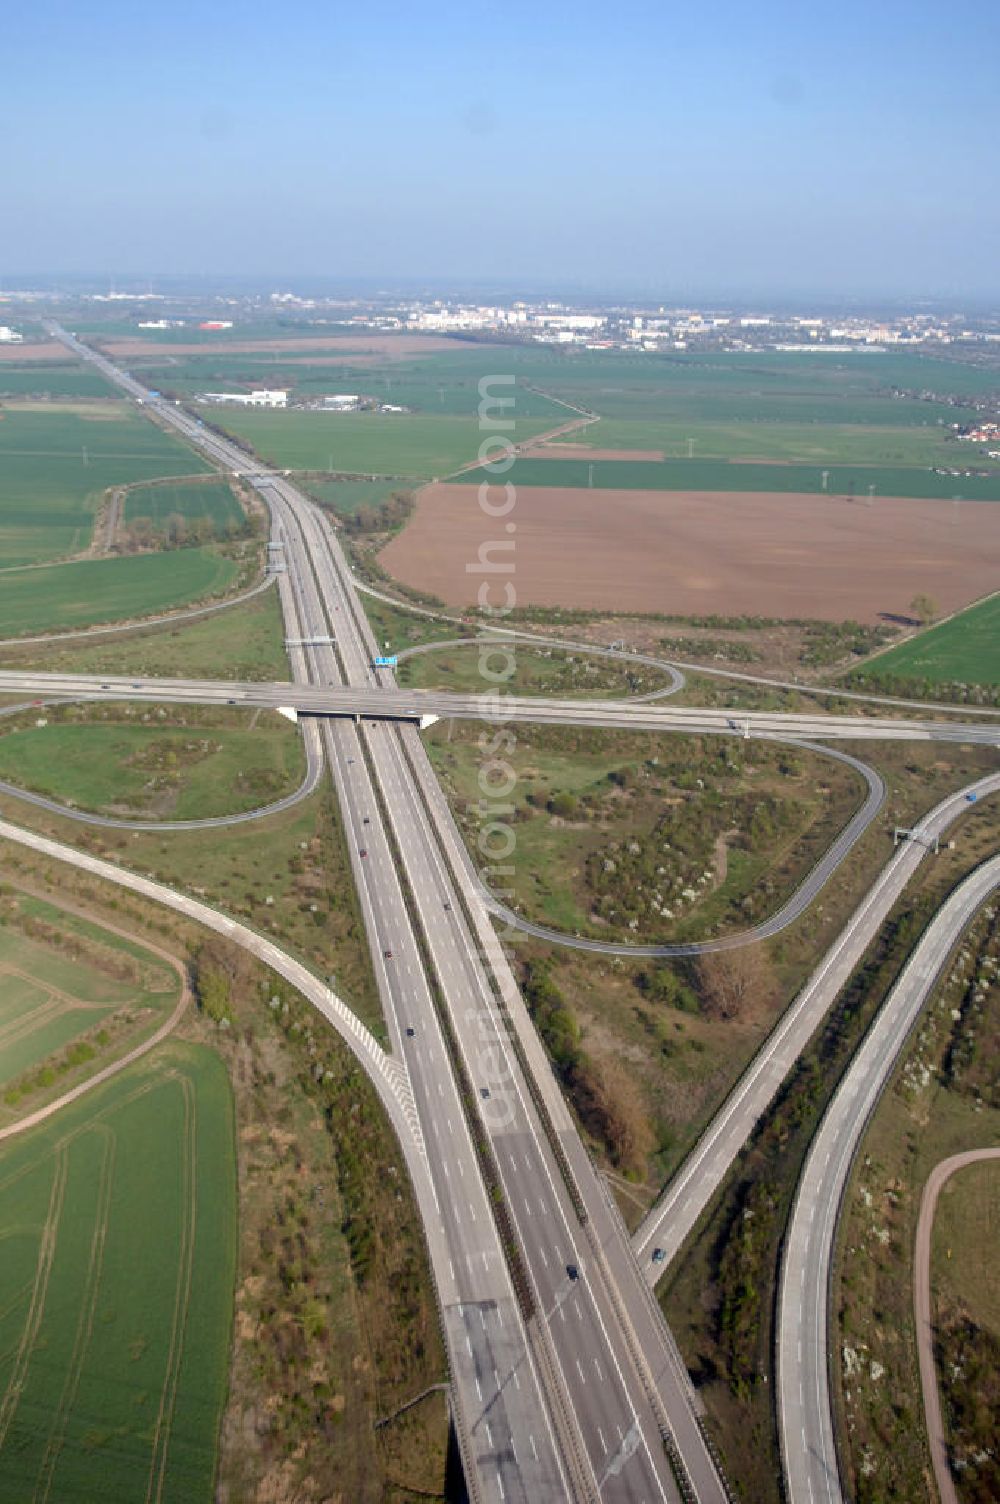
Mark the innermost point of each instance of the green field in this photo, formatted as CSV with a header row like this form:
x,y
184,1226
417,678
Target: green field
x,y
241,642
395,444
744,387
730,475
347,496
442,384
50,998
78,594
36,379
55,461
116,1288
965,649
818,443
154,771
213,499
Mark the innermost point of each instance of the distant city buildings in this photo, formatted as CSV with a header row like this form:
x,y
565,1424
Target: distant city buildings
x,y
9,336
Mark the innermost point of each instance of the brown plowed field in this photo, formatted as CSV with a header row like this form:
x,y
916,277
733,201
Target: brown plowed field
x,y
392,346
696,552
582,452
48,351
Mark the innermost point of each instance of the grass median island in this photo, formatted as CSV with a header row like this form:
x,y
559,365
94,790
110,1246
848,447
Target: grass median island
x,y
537,671
138,762
56,461
396,628
116,1287
335,1320
943,1099
287,876
87,591
73,997
642,837
245,641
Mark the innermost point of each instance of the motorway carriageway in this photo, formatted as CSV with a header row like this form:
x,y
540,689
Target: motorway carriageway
x,y
805,1412
383,703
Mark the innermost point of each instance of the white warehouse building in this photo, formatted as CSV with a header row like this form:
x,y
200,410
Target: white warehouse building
x,y
263,397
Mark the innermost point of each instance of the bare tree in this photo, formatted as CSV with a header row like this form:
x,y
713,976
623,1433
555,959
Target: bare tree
x,y
733,983
924,609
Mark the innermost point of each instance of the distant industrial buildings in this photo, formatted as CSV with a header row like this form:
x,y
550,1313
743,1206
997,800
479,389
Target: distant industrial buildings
x,y
10,336
263,397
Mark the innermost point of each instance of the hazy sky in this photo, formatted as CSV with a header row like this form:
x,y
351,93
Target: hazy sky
x,y
715,145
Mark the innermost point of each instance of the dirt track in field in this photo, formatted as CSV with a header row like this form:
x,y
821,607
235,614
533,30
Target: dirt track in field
x,y
923,1314
582,452
391,346
30,353
698,552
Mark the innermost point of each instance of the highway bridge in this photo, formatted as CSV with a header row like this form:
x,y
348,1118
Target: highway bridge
x,y
377,701
565,1382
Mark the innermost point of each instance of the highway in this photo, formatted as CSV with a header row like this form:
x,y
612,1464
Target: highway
x,y
805,1418
613,1441
501,1408
381,702
692,1188
595,1361
585,1420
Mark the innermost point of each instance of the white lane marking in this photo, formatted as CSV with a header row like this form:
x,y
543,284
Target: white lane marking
x,y
600,1375
534,1449
580,1372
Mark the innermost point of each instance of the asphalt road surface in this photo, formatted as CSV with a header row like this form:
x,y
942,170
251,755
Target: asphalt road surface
x,y
673,1217
805,1415
585,1390
379,701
